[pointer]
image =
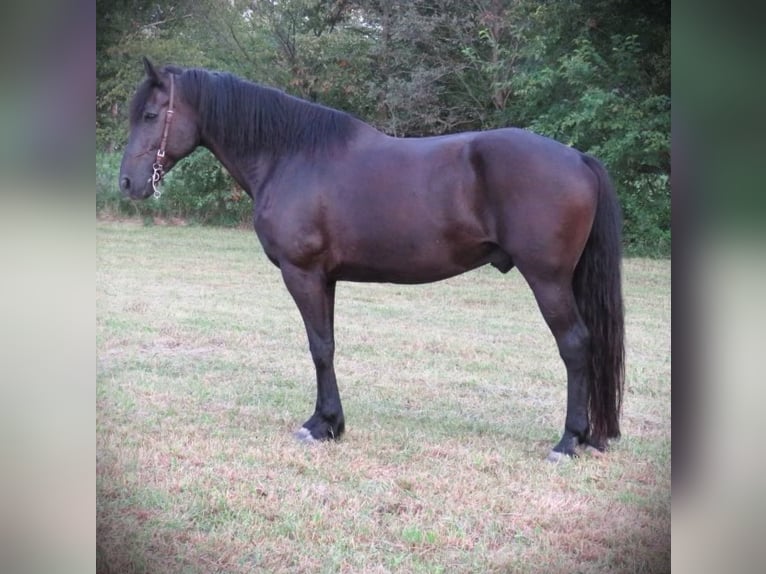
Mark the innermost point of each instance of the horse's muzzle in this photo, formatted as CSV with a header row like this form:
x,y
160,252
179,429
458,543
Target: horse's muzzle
x,y
129,188
125,184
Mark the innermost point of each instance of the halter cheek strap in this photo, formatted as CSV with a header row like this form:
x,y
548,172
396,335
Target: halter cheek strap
x,y
159,160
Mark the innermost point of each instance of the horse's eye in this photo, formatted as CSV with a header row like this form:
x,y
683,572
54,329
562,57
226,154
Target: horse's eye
x,y
150,115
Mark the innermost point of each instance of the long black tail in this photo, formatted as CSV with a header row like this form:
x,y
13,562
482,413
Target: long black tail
x,y
597,287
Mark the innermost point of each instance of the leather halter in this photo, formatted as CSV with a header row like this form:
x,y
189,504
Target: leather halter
x,y
159,160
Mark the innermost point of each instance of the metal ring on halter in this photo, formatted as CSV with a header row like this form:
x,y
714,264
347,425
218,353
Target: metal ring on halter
x,y
156,179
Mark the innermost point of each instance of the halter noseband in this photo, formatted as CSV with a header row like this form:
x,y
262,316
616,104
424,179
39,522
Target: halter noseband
x,y
159,160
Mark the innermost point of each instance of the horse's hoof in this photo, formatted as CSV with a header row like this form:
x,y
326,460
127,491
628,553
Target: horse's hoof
x,y
304,435
556,456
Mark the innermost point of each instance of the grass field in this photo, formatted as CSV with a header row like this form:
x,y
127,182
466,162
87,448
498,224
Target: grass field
x,y
453,394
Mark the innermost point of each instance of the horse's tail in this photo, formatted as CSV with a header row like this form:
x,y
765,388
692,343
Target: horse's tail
x,y
598,291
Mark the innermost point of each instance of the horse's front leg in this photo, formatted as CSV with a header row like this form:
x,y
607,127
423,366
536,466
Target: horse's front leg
x,y
315,297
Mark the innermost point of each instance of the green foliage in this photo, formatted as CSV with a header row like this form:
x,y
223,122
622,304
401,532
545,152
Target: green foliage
x,y
107,190
594,74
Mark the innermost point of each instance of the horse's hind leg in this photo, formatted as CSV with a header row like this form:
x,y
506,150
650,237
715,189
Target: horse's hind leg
x,y
557,303
315,298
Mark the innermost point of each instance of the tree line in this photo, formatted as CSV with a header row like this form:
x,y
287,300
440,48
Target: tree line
x,y
594,74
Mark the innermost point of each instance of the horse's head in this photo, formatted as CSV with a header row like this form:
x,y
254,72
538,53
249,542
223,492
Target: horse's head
x,y
163,130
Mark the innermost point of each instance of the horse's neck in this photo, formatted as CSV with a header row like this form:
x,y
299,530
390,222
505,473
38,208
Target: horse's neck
x,y
243,170
251,170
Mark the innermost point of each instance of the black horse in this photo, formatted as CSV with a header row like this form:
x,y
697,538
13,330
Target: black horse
x,y
336,200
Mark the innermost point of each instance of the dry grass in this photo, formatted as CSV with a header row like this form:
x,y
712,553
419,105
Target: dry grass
x,y
453,395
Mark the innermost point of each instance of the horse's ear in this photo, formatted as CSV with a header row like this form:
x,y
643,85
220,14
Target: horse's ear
x,y
151,72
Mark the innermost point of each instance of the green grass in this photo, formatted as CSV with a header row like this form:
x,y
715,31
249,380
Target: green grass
x,y
453,394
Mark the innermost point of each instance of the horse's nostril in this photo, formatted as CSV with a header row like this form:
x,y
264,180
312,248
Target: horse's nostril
x,y
125,183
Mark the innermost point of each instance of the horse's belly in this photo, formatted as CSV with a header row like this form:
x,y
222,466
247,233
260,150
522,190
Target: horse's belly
x,y
402,261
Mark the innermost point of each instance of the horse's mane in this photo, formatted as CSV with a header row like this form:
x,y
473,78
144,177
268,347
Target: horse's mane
x,y
246,117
